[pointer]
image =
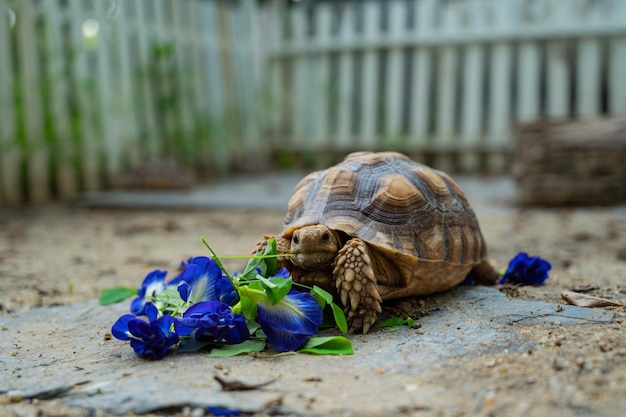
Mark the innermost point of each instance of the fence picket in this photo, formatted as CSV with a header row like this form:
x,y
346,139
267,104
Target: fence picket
x,y
471,133
395,60
472,106
345,102
90,146
249,72
588,78
64,151
617,62
616,79
10,155
447,87
528,79
320,81
500,82
126,108
103,81
278,76
369,76
300,79
31,86
557,78
181,25
421,78
143,62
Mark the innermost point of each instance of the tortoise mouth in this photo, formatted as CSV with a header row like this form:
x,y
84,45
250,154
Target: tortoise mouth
x,y
313,260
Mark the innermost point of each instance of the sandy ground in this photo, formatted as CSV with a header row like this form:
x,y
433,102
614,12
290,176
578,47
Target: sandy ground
x,y
57,255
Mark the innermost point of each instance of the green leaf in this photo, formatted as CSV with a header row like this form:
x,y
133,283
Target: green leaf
x,y
248,308
340,318
320,300
265,263
190,345
335,345
397,321
281,287
270,262
328,297
228,351
115,295
253,326
265,283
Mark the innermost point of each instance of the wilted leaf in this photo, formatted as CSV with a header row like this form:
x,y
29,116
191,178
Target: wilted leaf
x,y
586,300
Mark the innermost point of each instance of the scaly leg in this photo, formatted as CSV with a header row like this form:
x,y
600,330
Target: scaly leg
x,y
356,284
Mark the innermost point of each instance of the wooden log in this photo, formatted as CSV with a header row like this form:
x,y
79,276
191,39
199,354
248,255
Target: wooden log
x,y
571,162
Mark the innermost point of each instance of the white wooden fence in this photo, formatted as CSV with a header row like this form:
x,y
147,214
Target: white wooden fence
x,y
444,80
207,82
89,87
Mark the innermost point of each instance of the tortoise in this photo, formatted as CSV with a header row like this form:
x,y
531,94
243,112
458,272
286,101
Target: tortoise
x,y
380,226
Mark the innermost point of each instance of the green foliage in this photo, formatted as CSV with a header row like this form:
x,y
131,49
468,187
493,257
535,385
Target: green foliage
x,y
397,321
335,345
325,299
115,295
227,351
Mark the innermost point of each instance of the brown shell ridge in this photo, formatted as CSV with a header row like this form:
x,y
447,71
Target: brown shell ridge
x,y
393,203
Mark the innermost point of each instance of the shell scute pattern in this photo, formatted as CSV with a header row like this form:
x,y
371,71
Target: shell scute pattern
x,y
393,203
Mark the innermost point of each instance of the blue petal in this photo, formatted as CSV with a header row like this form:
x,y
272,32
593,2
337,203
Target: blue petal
x,y
227,292
526,270
149,339
151,311
153,284
213,320
282,272
153,339
283,340
199,280
119,330
288,323
223,412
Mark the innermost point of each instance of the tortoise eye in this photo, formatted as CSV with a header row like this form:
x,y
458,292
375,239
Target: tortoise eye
x,y
295,239
325,237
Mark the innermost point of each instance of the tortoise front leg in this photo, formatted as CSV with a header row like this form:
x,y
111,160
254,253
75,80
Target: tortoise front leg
x,y
282,246
356,284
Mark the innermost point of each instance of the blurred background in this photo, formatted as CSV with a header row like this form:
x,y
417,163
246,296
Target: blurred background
x,y
98,94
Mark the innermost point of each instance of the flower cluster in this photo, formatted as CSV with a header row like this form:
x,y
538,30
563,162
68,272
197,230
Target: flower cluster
x,y
526,270
205,305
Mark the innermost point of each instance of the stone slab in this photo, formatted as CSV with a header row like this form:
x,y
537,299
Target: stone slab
x,y
61,352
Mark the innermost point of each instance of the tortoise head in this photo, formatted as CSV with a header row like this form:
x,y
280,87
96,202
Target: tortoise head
x,y
314,246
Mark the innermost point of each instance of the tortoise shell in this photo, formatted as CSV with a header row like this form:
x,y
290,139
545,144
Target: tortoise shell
x,y
397,205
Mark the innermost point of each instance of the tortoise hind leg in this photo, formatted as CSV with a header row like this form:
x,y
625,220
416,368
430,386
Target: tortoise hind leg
x,y
485,274
356,284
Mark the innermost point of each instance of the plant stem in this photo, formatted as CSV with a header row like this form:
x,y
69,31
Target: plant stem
x,y
233,282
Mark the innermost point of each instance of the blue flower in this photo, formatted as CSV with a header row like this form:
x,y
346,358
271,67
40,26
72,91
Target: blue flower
x,y
226,412
152,285
526,270
149,339
213,321
202,280
289,323
283,273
